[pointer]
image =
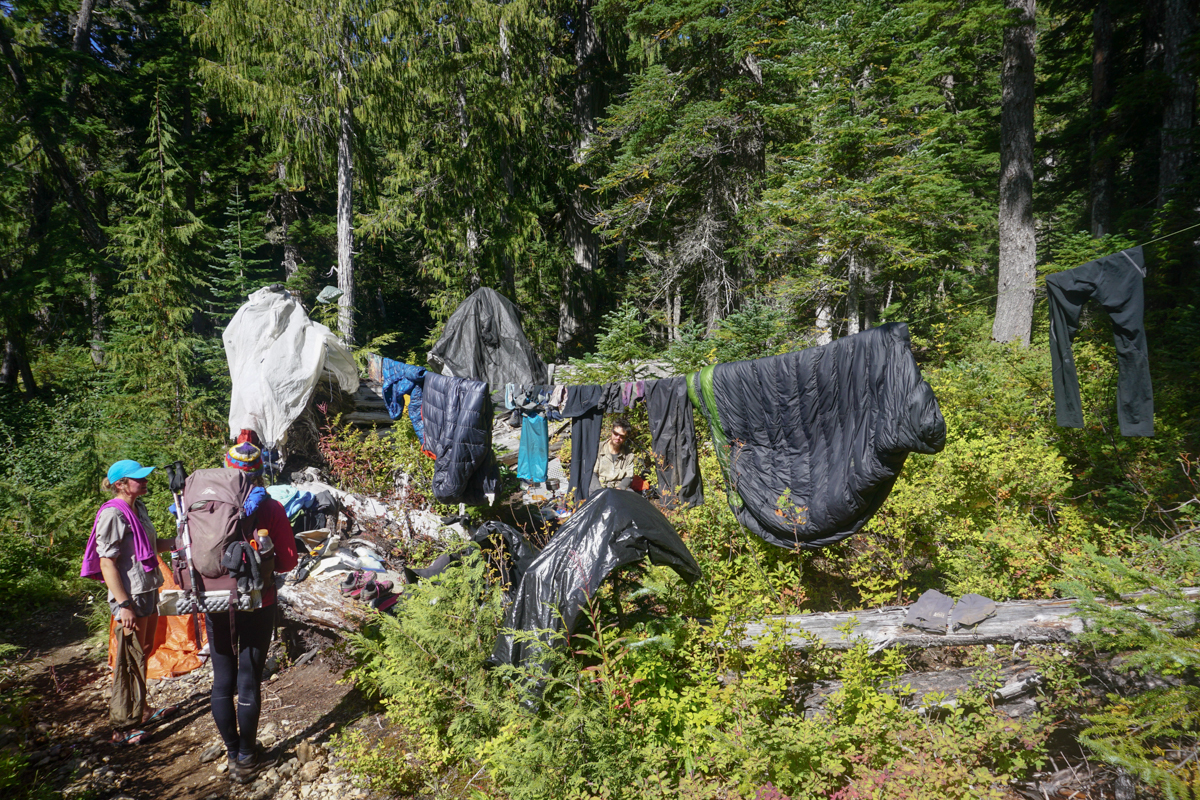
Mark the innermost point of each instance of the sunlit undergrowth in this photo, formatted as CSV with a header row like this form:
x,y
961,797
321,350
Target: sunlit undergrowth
x,y
670,706
664,700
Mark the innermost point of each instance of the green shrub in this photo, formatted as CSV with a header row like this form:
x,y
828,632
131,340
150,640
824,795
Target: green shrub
x,y
1154,734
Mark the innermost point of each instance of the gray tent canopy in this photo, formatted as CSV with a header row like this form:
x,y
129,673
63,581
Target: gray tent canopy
x,y
483,340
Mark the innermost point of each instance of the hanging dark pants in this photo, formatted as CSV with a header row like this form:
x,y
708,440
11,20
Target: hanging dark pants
x,y
1115,282
673,439
583,408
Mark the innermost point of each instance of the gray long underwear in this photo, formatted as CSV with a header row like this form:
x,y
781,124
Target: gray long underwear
x,y
1115,282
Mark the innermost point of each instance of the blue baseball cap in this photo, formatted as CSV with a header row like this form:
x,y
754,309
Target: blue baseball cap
x,y
127,469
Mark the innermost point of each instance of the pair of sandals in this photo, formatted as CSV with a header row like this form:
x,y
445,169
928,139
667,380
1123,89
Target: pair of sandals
x,y
364,585
138,735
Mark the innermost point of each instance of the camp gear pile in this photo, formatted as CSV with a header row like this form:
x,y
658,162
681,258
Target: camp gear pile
x,y
810,443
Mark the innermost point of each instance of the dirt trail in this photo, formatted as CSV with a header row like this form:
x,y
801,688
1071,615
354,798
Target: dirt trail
x,y
65,725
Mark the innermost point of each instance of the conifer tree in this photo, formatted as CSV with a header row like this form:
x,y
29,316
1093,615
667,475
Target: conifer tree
x,y
236,272
473,176
158,292
316,77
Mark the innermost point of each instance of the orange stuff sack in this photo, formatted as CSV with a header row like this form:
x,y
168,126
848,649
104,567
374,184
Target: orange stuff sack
x,y
177,640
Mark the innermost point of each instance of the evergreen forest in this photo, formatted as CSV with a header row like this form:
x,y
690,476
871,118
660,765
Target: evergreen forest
x,y
686,181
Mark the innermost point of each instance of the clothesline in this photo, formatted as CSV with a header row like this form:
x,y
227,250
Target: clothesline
x,y
1039,297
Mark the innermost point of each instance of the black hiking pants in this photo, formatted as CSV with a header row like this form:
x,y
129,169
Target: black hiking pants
x,y
1115,282
238,660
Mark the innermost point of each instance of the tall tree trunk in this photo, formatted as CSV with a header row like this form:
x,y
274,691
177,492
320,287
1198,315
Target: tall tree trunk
x,y
345,207
824,321
509,278
853,294
1181,98
1103,165
10,367
1018,246
289,213
15,362
97,318
576,301
474,280
80,39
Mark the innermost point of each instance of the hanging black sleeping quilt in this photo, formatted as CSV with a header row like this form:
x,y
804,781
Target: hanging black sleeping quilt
x,y
458,432
612,529
811,442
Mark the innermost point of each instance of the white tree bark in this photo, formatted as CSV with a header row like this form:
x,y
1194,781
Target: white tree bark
x,y
289,212
1018,246
345,209
853,295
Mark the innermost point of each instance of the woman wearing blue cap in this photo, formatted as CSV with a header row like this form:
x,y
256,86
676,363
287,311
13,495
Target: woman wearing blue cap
x,y
123,552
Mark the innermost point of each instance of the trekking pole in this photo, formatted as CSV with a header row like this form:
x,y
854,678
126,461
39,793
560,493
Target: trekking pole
x,y
178,478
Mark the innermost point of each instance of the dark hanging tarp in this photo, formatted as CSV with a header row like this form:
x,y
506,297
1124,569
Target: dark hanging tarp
x,y
483,340
812,442
611,530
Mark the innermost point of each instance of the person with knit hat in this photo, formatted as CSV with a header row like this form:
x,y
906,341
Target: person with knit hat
x,y
123,553
239,653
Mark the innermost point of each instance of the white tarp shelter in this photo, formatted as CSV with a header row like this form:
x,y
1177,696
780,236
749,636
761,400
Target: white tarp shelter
x,y
276,357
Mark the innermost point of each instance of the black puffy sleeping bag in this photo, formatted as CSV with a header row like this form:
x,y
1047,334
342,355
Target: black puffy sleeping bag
x,y
458,432
811,442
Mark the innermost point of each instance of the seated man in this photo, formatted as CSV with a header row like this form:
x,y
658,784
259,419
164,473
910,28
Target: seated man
x,y
616,467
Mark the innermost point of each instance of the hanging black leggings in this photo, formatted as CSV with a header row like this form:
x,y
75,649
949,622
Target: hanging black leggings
x,y
1115,282
238,670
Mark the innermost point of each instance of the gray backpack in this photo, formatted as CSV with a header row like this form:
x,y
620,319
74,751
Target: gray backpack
x,y
221,534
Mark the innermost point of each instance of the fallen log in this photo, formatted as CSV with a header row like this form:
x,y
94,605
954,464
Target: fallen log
x,y
1016,621
321,603
1031,621
928,691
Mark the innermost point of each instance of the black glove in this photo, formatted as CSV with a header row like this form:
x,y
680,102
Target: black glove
x,y
177,476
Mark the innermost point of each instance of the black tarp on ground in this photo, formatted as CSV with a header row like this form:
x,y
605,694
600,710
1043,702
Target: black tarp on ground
x,y
508,552
611,530
484,340
458,431
812,442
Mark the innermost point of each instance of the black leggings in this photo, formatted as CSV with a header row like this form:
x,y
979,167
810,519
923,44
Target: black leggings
x,y
238,670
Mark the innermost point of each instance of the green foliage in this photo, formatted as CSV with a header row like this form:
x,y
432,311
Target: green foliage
x,y
620,345
668,706
369,463
383,763
153,349
1153,733
236,272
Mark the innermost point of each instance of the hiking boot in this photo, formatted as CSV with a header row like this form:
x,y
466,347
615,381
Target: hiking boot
x,y
246,768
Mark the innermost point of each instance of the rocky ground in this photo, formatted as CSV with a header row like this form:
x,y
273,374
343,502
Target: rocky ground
x,y
63,724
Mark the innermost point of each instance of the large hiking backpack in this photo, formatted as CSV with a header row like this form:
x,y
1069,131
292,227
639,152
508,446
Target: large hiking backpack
x,y
223,554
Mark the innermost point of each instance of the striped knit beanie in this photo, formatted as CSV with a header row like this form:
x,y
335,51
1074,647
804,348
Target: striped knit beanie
x,y
246,457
